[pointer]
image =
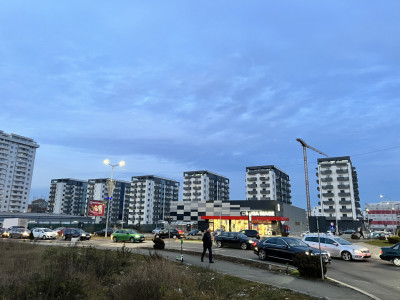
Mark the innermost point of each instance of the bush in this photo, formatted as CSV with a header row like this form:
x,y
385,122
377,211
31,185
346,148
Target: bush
x,y
158,243
382,238
393,239
309,265
355,237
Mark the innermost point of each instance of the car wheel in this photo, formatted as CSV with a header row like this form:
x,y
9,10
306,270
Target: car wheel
x,y
157,236
114,239
43,237
262,254
219,244
243,246
346,256
396,261
132,240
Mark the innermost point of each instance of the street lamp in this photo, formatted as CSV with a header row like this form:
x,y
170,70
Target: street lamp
x,y
111,186
367,211
391,211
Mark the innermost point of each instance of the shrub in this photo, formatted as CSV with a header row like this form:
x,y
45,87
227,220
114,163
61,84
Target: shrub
x,y
382,238
309,265
393,239
355,237
158,243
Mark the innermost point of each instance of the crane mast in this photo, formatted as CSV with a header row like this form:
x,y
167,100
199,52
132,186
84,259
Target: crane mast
x,y
305,145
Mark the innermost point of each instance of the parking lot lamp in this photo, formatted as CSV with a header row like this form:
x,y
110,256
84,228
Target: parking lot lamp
x,y
110,187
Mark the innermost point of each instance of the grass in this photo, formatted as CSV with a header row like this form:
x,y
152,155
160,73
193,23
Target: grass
x,y
31,271
380,243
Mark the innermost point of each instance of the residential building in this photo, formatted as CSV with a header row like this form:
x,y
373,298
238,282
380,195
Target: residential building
x,y
338,189
316,211
383,215
17,158
267,183
205,186
151,198
68,196
38,206
118,202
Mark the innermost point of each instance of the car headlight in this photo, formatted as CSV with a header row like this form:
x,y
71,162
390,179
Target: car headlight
x,y
251,241
357,251
307,253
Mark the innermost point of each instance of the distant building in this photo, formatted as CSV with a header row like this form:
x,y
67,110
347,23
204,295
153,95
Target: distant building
x,y
151,198
205,186
68,196
267,183
383,215
338,189
38,206
17,158
316,211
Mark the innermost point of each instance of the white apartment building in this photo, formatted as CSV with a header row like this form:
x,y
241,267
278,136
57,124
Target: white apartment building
x,y
17,158
338,189
267,183
119,203
151,198
205,186
68,197
383,215
316,211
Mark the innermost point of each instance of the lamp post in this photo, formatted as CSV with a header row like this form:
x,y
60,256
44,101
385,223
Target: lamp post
x,y
111,186
367,211
391,210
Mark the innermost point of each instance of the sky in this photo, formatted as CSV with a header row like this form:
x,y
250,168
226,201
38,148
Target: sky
x,y
175,86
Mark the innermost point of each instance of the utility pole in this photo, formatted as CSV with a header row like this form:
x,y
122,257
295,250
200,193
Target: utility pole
x,y
305,145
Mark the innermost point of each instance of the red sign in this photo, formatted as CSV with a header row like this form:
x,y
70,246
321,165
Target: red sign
x,y
96,208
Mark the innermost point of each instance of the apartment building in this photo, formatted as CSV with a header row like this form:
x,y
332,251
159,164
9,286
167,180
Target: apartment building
x,y
119,201
205,186
383,215
68,196
17,158
338,189
267,183
151,198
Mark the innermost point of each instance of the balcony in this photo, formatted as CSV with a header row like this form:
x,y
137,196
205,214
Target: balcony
x,y
331,203
197,182
252,179
344,202
264,172
325,165
197,188
327,187
329,210
346,210
252,186
343,179
264,178
196,194
342,171
327,179
265,185
341,164
252,172
343,186
344,194
187,188
187,194
326,172
265,192
252,192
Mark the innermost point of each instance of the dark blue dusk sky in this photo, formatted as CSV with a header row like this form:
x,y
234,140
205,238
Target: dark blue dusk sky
x,y
174,86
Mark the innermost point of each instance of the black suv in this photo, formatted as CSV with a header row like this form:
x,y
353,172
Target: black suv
x,y
174,233
70,233
251,233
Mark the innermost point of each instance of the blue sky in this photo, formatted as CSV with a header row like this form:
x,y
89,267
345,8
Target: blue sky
x,y
174,86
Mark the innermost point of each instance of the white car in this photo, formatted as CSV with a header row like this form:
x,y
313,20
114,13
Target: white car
x,y
338,247
44,233
157,230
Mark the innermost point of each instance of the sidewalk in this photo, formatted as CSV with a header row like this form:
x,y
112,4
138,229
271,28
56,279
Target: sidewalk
x,y
314,288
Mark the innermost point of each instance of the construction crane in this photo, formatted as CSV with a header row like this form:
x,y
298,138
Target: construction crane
x,y
305,145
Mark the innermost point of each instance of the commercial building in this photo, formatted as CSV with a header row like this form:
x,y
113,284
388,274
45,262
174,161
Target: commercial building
x,y
267,183
205,186
338,189
17,158
383,215
68,196
151,198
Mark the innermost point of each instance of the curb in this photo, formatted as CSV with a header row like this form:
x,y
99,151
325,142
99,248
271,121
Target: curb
x,y
354,288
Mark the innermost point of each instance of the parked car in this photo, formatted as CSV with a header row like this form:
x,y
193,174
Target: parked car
x,y
391,254
157,230
234,240
174,233
20,233
59,230
70,233
338,247
103,232
44,233
217,232
15,227
194,232
286,248
123,235
251,233
349,231
4,233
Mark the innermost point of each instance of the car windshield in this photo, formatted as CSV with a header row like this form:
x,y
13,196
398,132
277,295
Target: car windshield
x,y
47,230
242,236
295,243
342,241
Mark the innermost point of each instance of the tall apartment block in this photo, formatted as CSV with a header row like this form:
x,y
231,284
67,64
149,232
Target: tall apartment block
x,y
205,186
267,183
151,198
17,157
338,189
120,199
68,197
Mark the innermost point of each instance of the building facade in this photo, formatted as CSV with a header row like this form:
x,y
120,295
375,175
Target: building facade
x,y
17,158
338,189
68,196
383,216
267,183
151,198
118,202
38,206
205,186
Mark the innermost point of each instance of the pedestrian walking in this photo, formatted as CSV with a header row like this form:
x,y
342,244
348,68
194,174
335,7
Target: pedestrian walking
x,y
361,233
207,245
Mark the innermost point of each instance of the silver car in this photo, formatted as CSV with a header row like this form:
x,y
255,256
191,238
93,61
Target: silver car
x,y
338,247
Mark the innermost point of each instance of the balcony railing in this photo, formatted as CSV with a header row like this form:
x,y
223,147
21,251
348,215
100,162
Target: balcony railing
x,y
327,187
344,194
327,179
252,192
343,179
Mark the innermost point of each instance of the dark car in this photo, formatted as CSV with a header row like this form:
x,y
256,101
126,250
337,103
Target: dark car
x,y
4,233
251,233
391,254
285,248
349,231
103,232
70,233
234,240
194,232
173,233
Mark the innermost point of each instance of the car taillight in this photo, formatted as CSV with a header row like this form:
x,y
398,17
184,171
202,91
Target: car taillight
x,y
254,244
381,251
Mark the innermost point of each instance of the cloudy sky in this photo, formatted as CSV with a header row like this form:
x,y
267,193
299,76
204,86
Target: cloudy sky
x,y
174,86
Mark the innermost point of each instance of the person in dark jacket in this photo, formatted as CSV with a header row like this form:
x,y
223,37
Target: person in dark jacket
x,y
207,244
